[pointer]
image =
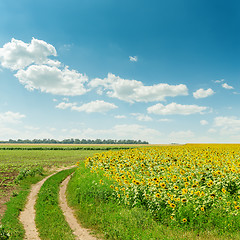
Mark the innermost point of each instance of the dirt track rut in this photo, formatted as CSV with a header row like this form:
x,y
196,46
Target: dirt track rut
x,y
27,216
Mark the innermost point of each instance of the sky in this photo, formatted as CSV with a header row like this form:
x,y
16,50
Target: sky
x,y
156,71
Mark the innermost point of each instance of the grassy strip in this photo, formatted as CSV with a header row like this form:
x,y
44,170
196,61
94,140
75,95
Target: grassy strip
x,y
98,209
10,220
104,148
49,217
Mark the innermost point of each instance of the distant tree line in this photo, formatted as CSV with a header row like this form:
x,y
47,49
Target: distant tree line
x,y
75,141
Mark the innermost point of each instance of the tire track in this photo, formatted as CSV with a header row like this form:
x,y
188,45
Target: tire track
x,y
80,232
27,216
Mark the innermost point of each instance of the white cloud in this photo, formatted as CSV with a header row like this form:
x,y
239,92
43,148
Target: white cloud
x,y
66,47
133,59
164,120
228,125
53,63
142,117
135,91
53,80
18,55
55,100
11,117
201,93
120,116
204,122
123,131
174,108
219,81
64,105
95,106
226,86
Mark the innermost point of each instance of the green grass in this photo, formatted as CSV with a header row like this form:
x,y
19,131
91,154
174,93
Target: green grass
x,y
97,208
17,168
10,220
12,162
50,220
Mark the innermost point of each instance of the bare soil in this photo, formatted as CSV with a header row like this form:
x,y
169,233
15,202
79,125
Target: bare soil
x,y
27,216
6,189
80,232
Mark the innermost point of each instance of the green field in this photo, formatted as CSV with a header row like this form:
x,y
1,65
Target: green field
x,y
168,192
17,161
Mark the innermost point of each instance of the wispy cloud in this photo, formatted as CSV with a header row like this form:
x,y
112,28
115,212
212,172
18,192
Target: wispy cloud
x,y
11,117
142,117
219,81
226,86
120,116
91,107
174,108
133,59
204,122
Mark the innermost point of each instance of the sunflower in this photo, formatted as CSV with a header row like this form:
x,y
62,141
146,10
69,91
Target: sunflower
x,y
184,191
158,195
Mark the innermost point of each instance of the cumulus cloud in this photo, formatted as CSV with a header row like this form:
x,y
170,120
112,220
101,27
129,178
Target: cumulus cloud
x,y
204,122
11,117
133,59
120,116
174,108
95,106
18,55
135,91
142,117
35,70
64,105
201,93
226,86
228,125
53,80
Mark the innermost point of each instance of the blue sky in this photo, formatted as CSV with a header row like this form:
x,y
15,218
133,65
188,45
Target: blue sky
x,y
160,71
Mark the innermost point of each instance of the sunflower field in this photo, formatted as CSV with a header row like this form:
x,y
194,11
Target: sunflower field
x,y
191,184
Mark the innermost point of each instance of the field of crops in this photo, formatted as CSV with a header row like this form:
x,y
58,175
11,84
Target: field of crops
x,y
194,185
17,158
20,161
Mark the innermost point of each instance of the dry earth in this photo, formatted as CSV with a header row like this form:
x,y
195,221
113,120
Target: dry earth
x,y
80,232
27,216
